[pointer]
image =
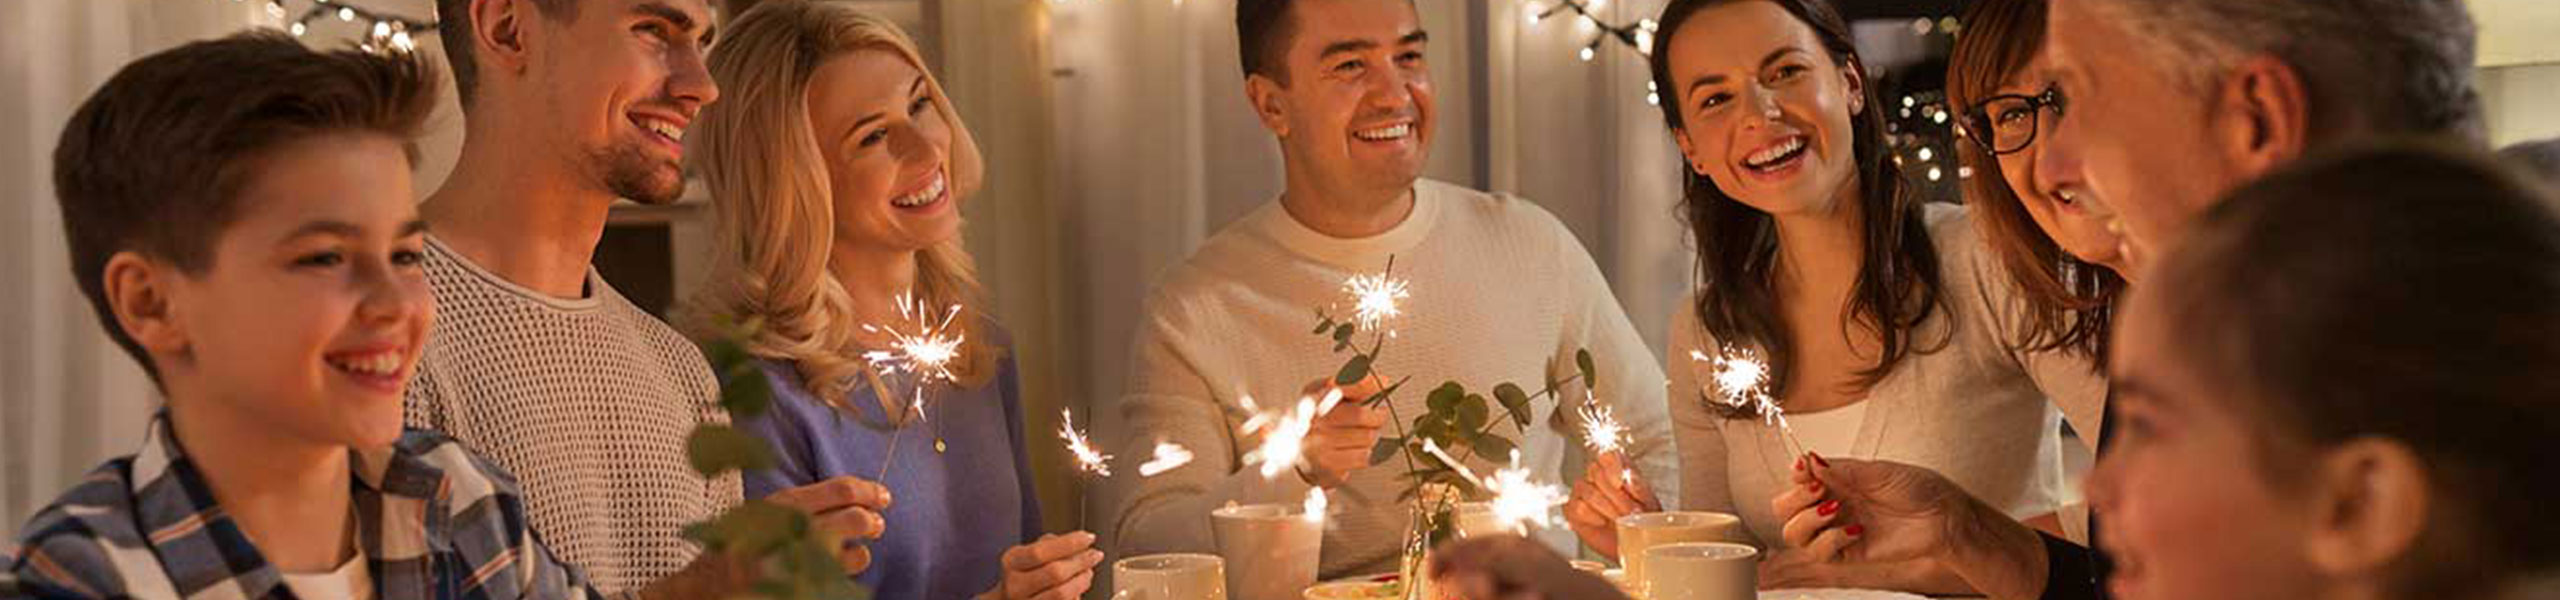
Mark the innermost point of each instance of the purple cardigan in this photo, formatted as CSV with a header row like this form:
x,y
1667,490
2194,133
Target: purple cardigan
x,y
954,512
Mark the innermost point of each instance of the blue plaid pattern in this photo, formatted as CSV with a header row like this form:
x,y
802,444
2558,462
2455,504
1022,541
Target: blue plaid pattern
x,y
436,522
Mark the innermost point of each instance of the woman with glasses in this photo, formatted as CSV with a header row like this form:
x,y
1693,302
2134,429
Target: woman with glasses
x,y
2055,250
1885,330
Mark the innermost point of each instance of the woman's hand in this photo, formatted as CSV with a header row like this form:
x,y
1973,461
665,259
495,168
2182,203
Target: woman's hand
x,y
1864,511
1609,489
1057,567
1873,512
846,508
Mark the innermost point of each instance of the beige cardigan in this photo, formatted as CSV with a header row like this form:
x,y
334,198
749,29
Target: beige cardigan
x,y
1974,410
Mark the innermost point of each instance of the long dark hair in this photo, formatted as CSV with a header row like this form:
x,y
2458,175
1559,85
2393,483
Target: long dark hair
x,y
2408,292
1898,280
2069,302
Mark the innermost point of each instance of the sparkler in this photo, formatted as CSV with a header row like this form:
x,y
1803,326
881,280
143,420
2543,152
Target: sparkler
x,y
1374,297
1742,381
1315,506
1284,436
1088,459
1518,501
1168,456
1602,433
925,354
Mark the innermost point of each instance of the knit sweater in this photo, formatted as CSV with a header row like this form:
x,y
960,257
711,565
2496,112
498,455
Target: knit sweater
x,y
1501,292
588,401
1977,410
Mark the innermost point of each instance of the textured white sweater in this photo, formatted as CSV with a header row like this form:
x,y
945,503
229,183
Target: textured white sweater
x,y
1501,291
587,402
1975,410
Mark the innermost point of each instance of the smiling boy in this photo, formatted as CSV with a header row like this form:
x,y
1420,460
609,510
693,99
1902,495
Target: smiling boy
x,y
239,216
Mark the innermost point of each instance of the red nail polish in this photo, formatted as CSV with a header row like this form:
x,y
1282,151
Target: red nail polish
x,y
1799,463
1856,530
1828,509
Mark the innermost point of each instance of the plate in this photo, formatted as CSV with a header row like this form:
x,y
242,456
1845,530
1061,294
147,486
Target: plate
x,y
1837,594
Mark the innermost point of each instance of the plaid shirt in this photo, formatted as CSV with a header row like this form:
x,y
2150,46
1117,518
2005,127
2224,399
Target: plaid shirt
x,y
435,521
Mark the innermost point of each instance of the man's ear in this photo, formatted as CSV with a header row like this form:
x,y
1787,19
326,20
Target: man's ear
x,y
2266,114
1269,104
2368,504
499,35
142,294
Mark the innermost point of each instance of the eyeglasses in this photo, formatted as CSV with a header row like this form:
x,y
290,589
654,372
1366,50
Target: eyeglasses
x,y
2006,123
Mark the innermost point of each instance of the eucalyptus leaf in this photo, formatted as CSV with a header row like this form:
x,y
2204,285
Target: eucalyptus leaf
x,y
1353,370
1494,447
1321,326
1590,374
716,449
1514,403
747,395
1385,449
1474,413
1444,399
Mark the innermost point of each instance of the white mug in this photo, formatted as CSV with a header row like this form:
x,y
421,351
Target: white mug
x,y
1701,571
1169,577
1640,531
1272,550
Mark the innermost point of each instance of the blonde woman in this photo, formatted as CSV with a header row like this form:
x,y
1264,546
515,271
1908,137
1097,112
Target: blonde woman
x,y
837,168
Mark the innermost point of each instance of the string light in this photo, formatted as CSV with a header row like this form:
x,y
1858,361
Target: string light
x,y
382,31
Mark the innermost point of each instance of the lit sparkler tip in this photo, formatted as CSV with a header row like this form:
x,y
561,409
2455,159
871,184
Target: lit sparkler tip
x,y
1088,459
1284,438
1316,505
1168,456
1520,502
1600,429
1374,298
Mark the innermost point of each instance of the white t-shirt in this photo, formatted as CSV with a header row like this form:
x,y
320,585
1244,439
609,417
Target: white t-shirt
x,y
352,581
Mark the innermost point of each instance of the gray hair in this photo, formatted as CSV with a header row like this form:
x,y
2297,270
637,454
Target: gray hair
x,y
2369,66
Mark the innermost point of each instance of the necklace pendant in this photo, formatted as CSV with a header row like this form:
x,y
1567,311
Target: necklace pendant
x,y
938,447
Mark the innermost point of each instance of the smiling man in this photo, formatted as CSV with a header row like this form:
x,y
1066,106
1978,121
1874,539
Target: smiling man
x,y
538,362
1501,291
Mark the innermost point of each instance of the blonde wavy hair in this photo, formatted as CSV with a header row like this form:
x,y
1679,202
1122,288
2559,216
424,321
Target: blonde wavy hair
x,y
774,213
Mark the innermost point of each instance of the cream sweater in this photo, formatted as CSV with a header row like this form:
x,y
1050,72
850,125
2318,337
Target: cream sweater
x,y
1975,410
1501,291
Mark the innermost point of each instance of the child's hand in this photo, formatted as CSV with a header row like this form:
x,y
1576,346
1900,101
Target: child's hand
x,y
1609,489
845,508
1057,567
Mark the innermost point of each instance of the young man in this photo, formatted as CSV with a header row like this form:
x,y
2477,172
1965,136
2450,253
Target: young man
x,y
1501,291
569,105
239,216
